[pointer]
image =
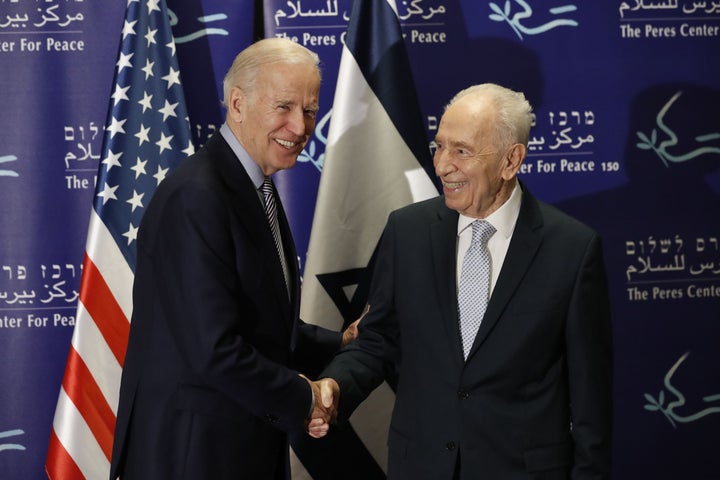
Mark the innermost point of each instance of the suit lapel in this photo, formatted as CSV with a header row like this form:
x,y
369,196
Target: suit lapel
x,y
525,242
251,214
290,253
293,271
443,234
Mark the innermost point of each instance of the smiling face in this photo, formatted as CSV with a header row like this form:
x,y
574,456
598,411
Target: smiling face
x,y
274,120
476,170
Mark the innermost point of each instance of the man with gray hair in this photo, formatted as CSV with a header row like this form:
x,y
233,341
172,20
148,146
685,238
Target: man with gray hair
x,y
493,306
211,382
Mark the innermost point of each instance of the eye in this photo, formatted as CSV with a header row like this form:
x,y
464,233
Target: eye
x,y
310,113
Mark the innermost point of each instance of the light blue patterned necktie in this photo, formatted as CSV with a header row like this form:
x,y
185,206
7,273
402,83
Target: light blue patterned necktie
x,y
474,288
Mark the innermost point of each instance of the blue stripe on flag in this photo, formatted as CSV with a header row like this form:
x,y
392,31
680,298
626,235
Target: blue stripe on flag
x,y
375,40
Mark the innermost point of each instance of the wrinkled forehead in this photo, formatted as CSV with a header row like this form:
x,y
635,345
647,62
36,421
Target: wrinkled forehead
x,y
467,121
287,79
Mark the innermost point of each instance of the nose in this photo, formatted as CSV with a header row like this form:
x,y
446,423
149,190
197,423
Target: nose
x,y
441,162
300,124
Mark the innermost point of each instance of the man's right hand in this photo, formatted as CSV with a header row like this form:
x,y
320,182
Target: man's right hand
x,y
327,394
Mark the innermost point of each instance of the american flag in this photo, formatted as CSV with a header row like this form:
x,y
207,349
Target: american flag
x,y
146,135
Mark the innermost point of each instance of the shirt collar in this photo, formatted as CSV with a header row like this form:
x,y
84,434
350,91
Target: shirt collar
x,y
252,168
503,219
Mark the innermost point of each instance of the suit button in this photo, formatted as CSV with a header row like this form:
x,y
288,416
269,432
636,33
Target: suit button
x,y
271,418
450,446
463,394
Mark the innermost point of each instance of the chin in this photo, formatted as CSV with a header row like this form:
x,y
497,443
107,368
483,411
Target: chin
x,y
286,163
451,204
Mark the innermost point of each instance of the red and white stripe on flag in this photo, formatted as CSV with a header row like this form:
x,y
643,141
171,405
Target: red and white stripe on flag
x,y
147,134
81,440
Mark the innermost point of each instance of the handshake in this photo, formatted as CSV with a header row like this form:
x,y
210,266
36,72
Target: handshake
x,y
327,393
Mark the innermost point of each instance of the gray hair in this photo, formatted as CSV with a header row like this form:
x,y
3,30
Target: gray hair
x,y
514,113
248,63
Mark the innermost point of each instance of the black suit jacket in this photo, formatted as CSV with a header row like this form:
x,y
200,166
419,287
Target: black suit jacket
x,y
534,398
208,387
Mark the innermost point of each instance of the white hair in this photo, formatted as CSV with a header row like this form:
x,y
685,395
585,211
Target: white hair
x,y
514,113
247,64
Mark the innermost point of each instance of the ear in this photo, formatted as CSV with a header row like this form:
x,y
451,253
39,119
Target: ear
x,y
512,161
236,105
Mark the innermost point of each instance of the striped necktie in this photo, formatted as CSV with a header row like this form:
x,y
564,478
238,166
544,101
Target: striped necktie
x,y
267,191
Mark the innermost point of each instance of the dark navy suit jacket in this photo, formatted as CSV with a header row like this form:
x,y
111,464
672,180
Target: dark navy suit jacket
x,y
534,398
208,387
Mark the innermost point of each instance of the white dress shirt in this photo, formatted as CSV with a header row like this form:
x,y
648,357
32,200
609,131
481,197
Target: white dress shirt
x,y
503,219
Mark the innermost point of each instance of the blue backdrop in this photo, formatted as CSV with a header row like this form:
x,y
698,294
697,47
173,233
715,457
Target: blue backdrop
x,y
626,138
